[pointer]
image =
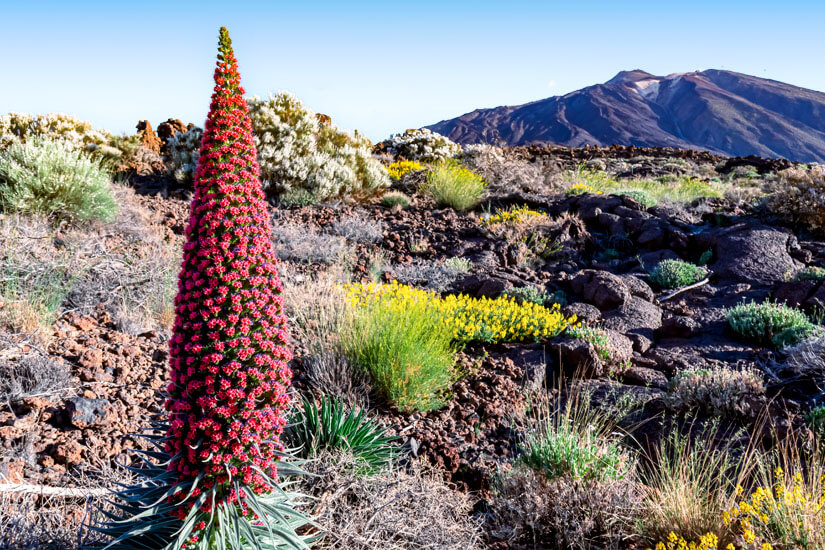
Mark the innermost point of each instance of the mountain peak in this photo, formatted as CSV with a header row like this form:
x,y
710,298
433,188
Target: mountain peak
x,y
624,77
691,110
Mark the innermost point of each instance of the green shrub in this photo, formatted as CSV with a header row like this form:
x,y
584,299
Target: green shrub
x,y
297,197
454,185
676,274
530,294
575,441
792,336
43,176
313,428
394,198
816,420
641,196
458,265
706,257
811,273
409,359
761,323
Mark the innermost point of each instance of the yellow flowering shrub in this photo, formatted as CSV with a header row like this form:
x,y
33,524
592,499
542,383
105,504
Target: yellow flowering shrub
x,y
469,319
674,542
581,188
513,215
790,514
398,168
706,542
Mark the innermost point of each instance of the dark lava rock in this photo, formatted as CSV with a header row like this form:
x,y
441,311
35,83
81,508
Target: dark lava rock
x,y
533,361
753,254
83,412
644,376
621,347
679,326
575,357
638,287
601,288
587,313
635,314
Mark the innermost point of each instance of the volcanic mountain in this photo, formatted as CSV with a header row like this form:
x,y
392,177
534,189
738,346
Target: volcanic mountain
x,y
719,111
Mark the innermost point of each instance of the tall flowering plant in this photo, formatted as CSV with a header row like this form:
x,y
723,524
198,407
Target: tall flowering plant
x,y
213,482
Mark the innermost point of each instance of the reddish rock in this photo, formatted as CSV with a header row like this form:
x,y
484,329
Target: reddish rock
x,y
69,453
169,128
148,139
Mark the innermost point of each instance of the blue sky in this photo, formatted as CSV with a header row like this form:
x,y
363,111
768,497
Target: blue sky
x,y
381,67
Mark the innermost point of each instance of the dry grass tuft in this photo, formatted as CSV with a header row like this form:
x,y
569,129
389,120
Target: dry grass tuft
x,y
395,510
32,375
530,511
31,521
298,243
317,313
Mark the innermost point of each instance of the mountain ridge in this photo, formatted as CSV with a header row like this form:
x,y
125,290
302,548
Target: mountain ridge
x,y
722,112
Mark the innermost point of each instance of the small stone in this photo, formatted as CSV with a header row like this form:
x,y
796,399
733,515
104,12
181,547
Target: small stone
x,y
84,412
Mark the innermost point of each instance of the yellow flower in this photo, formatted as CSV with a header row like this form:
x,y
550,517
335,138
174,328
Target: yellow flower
x,y
399,168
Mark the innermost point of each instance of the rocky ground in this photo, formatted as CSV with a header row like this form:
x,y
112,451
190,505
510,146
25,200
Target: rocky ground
x,y
605,247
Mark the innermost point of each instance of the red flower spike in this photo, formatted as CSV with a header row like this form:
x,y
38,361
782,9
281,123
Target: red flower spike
x,y
228,357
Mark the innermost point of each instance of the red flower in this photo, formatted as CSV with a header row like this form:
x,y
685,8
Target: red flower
x,y
227,396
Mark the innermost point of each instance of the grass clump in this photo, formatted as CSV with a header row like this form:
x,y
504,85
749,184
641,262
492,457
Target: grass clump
x,y
574,442
646,191
763,323
43,176
688,484
676,274
454,185
395,198
328,426
410,360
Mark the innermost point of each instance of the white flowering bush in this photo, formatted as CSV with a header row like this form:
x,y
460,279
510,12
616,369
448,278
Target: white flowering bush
x,y
800,196
299,155
182,152
69,131
422,145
